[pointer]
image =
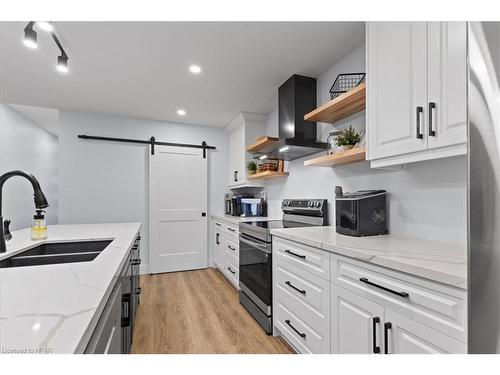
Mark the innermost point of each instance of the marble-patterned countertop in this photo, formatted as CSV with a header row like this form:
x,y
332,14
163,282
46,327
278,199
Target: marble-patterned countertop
x,y
241,219
443,262
55,308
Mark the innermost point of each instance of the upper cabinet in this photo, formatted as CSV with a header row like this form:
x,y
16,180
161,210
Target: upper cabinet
x,y
242,130
416,91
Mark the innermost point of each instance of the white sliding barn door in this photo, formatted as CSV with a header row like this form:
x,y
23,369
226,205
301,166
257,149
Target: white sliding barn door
x,y
177,209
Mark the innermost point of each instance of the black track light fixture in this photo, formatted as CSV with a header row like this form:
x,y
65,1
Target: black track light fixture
x,y
30,36
30,40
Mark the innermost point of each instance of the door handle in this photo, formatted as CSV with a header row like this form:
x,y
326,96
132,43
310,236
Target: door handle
x,y
301,334
295,254
401,294
376,322
302,291
420,111
387,327
432,107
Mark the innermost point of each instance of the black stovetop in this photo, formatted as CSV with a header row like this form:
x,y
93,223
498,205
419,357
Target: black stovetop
x,y
278,224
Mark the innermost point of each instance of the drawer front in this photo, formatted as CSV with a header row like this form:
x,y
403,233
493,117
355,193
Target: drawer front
x,y
231,271
232,229
232,248
435,305
307,294
302,336
304,257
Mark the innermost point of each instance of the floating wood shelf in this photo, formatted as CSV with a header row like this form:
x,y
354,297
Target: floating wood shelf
x,y
339,158
261,143
266,175
345,105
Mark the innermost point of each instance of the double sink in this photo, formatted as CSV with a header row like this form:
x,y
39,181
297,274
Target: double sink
x,y
54,253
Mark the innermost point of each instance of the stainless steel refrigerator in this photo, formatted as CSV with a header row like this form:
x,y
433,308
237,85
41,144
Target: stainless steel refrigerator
x,y
484,187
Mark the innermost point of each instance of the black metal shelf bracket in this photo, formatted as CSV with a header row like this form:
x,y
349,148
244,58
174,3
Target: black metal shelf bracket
x,y
151,142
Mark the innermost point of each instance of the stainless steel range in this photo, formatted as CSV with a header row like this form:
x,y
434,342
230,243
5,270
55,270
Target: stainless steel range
x,y
256,254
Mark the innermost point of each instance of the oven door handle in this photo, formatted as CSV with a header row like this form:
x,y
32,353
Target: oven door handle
x,y
262,246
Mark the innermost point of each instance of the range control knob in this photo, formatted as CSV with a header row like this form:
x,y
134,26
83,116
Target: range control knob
x,y
310,203
317,204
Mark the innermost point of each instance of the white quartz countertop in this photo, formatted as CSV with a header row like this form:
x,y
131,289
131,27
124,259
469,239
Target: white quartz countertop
x,y
55,308
241,219
443,262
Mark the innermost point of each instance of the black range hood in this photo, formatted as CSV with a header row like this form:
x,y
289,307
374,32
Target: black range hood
x,y
297,137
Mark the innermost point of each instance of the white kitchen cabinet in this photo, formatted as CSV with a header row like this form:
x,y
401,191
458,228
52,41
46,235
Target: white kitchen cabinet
x,y
356,323
243,130
406,336
416,87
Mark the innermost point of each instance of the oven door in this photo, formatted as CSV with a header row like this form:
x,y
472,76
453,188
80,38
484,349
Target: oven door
x,y
256,271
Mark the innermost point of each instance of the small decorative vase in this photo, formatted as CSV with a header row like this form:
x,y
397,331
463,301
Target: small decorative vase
x,y
345,147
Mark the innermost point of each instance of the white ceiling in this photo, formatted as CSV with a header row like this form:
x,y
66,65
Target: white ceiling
x,y
140,69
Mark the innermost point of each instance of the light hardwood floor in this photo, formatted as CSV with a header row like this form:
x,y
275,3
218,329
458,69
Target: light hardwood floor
x,y
197,312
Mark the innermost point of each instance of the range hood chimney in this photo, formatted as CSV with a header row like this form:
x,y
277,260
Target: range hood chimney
x,y
297,137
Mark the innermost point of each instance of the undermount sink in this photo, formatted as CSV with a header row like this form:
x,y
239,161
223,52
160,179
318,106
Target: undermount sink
x,y
54,253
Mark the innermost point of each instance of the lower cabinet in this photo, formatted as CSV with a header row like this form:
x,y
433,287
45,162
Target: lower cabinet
x,y
356,323
217,245
361,326
226,250
361,308
113,333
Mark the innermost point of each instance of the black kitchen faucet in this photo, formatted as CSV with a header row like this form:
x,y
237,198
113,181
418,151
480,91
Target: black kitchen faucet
x,y
39,197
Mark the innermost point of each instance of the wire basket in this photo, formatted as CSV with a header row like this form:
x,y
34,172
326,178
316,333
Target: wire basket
x,y
345,82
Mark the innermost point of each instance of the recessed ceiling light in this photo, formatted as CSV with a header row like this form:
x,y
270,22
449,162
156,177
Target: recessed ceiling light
x,y
30,38
181,112
45,25
195,69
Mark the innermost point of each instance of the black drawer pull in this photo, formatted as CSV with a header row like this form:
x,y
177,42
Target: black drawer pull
x,y
232,248
366,281
231,229
138,290
303,335
217,224
230,270
294,287
295,254
376,321
387,327
135,247
138,238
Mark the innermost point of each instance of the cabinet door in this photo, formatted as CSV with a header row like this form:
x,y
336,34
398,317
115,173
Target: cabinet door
x,y
240,154
356,323
397,88
447,84
406,336
216,247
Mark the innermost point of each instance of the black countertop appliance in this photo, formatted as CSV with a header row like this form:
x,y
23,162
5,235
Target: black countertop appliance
x,y
361,213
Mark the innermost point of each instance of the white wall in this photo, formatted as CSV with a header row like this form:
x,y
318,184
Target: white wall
x,y
107,182
427,199
26,146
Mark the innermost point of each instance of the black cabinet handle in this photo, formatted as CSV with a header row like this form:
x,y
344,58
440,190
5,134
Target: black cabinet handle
x,y
125,321
217,238
230,270
420,110
135,247
135,262
138,238
401,294
387,327
303,335
235,173
230,247
432,107
231,229
294,287
138,290
376,322
295,254
218,224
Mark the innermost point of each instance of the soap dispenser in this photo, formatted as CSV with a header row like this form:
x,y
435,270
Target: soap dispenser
x,y
39,227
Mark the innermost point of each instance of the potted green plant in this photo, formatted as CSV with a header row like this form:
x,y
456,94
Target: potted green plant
x,y
251,167
347,138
